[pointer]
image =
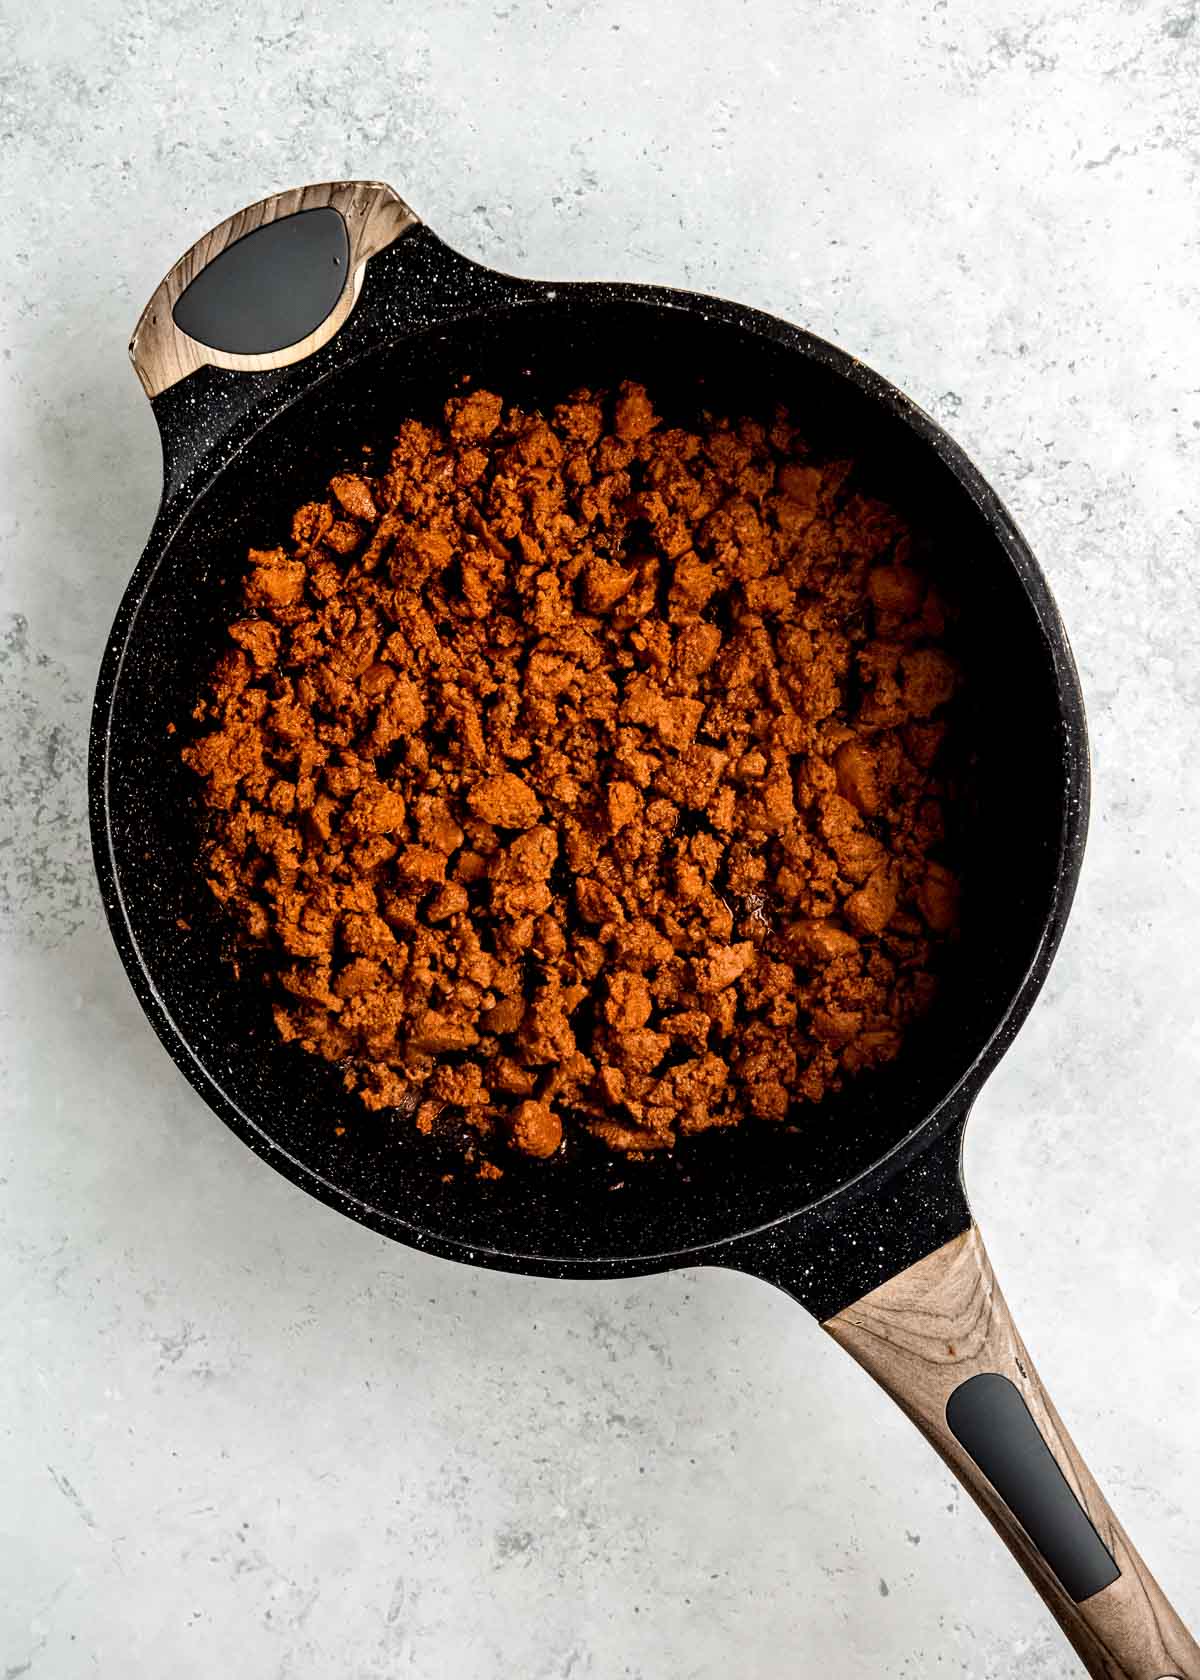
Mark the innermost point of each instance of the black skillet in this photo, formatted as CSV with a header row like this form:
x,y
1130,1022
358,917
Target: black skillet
x,y
316,320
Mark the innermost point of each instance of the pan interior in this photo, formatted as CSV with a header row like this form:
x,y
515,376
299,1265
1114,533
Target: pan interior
x,y
586,1207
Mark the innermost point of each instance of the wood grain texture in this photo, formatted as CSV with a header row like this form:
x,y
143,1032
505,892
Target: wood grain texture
x,y
921,1335
162,354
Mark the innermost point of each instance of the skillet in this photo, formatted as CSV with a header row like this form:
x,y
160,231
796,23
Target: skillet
x,y
317,319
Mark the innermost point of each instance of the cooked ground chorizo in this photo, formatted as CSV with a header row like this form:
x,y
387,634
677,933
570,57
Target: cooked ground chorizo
x,y
576,772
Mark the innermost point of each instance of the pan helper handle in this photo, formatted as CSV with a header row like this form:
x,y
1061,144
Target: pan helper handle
x,y
269,286
940,1339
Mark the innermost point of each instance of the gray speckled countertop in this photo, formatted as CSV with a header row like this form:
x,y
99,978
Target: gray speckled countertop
x,y
240,1435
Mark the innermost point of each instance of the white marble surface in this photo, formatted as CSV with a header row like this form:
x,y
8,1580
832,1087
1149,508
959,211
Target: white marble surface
x,y
240,1435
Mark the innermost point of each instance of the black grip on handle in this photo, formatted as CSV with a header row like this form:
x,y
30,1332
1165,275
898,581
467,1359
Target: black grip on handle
x,y
270,288
990,1420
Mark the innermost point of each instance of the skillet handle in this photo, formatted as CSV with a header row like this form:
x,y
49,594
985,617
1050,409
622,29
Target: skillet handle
x,y
940,1339
269,286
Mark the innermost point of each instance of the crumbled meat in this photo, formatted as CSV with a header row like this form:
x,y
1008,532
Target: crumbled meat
x,y
937,898
536,1129
576,773
722,965
629,1003
355,496
505,800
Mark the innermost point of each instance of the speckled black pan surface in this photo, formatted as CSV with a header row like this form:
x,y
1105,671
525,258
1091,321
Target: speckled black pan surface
x,y
871,1182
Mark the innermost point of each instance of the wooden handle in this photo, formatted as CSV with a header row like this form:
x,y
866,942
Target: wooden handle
x,y
373,215
925,1334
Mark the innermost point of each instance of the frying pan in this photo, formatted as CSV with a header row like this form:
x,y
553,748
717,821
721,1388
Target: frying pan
x,y
314,321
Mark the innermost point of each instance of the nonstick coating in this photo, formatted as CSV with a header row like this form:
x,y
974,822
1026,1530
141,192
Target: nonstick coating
x,y
587,1213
